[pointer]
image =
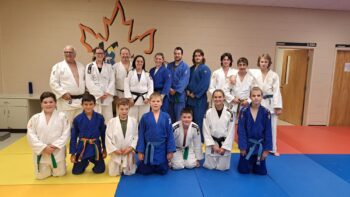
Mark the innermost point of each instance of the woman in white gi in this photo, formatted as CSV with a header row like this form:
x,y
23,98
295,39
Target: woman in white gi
x,y
218,130
47,135
269,82
237,95
121,140
138,87
219,78
100,82
188,142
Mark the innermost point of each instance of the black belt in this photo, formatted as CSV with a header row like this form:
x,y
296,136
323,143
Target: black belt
x,y
138,95
76,96
120,90
268,96
219,140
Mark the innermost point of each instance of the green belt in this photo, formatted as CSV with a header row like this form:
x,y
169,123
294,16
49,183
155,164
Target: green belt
x,y
53,160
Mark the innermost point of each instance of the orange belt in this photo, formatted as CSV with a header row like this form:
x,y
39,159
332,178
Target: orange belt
x,y
90,141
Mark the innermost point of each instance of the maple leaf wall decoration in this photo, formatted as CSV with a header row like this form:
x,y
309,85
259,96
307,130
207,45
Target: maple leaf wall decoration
x,y
107,22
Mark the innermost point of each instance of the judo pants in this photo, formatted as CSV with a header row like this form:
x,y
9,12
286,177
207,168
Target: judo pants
x,y
137,111
105,110
70,114
46,170
165,105
247,166
199,110
274,132
175,110
218,162
115,169
146,169
178,161
99,165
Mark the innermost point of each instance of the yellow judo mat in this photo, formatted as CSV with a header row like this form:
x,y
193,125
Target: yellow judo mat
x,y
17,176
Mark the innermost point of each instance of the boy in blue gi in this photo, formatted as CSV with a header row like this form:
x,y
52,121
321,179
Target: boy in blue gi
x,y
156,144
87,142
198,87
254,135
161,79
180,76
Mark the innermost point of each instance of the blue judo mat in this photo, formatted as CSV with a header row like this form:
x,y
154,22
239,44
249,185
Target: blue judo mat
x,y
288,175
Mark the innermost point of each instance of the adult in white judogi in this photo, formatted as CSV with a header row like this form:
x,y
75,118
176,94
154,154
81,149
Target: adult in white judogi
x,y
218,130
237,95
100,82
44,134
121,70
67,82
188,147
138,87
115,141
269,82
220,77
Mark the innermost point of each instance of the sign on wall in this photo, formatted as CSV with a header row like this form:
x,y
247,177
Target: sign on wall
x,y
105,36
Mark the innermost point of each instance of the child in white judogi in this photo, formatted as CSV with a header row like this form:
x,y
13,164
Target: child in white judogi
x,y
121,140
218,130
188,142
47,135
269,82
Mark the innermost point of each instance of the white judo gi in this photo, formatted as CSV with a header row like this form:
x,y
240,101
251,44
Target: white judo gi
x,y
218,79
62,81
40,134
99,83
188,151
240,90
221,128
271,97
120,74
115,140
142,87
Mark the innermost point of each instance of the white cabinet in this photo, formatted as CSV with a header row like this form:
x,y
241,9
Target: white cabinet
x,y
14,113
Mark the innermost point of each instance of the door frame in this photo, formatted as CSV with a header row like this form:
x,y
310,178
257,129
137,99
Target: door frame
x,y
305,120
336,49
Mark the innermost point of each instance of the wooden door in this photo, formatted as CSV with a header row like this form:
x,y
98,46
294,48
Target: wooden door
x,y
293,83
340,106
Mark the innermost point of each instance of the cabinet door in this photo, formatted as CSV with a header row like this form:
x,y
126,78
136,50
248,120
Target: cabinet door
x,y
17,117
3,117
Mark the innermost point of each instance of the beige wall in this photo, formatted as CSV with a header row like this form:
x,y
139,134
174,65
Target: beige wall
x,y
33,34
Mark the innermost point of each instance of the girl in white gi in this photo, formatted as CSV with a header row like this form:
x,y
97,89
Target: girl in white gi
x,y
100,82
220,77
67,82
138,87
47,135
188,142
237,94
269,82
121,140
218,130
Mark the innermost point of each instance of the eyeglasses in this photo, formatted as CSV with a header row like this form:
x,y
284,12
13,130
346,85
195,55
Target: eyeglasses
x,y
68,52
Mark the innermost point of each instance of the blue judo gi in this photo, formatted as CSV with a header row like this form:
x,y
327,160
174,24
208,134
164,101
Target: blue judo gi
x,y
180,76
87,141
254,137
162,83
156,140
198,85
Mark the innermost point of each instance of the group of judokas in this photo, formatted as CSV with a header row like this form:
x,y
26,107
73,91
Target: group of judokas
x,y
179,86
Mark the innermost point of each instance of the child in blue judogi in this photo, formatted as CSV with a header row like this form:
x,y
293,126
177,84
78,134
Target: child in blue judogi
x,y
87,142
156,144
254,135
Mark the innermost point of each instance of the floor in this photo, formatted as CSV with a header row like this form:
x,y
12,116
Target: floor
x,y
314,162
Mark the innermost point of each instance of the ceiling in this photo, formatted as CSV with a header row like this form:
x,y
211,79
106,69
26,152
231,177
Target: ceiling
x,y
310,4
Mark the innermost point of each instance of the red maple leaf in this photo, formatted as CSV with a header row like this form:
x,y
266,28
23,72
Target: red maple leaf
x,y
107,22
